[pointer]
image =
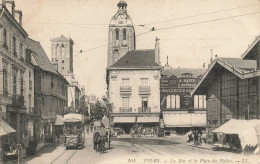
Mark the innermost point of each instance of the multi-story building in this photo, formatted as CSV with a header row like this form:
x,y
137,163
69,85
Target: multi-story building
x,y
16,76
134,89
121,35
62,58
50,88
180,110
231,86
133,76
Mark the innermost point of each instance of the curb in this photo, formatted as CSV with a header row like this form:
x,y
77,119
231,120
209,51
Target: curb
x,y
201,147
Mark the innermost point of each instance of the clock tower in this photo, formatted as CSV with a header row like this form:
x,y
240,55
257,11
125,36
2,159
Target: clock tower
x,y
121,34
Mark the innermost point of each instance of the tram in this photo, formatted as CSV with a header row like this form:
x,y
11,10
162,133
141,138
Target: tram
x,y
74,130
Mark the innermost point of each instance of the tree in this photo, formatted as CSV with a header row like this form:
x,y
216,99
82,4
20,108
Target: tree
x,y
97,111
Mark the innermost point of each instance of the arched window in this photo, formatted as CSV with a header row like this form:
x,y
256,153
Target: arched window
x,y
57,50
62,51
124,35
116,56
117,34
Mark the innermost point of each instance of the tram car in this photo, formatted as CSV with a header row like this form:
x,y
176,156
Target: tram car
x,y
74,130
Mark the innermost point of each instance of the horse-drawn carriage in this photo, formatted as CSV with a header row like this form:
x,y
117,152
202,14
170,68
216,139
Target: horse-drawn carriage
x,y
74,130
102,136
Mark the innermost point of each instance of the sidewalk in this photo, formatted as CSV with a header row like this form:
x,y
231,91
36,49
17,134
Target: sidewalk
x,y
202,146
41,149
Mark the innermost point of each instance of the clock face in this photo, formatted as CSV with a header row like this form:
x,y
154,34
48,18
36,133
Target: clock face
x,y
121,17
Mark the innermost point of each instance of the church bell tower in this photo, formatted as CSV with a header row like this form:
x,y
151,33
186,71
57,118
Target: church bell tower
x,y
121,34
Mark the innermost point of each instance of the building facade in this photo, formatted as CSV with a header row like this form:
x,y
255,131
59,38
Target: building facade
x,y
133,90
231,86
62,59
121,34
51,90
62,54
16,76
179,109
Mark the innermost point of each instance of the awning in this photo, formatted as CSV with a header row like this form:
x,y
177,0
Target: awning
x,y
246,130
105,122
148,119
97,123
59,120
184,119
5,128
73,117
124,120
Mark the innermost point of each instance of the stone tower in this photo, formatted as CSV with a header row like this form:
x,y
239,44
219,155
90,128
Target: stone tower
x,y
62,54
121,34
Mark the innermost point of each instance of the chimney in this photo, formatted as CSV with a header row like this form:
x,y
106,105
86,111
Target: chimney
x,y
3,3
157,51
211,58
56,66
11,2
20,13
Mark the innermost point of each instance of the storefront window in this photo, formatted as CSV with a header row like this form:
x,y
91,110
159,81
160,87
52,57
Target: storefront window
x,y
173,102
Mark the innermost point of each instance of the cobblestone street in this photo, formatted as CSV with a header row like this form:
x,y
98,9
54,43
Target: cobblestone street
x,y
171,149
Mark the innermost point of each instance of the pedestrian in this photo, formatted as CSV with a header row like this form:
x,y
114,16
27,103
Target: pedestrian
x,y
195,137
200,137
58,136
190,138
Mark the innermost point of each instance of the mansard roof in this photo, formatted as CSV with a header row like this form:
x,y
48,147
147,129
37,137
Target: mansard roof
x,y
138,59
243,69
178,72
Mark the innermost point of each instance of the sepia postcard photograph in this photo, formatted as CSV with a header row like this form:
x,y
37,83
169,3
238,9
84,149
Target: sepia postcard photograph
x,y
129,81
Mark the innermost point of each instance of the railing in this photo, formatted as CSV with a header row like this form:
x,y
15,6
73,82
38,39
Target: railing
x,y
125,109
144,110
18,100
144,89
125,89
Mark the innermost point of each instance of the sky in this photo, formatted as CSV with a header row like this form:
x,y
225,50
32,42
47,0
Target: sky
x,y
183,39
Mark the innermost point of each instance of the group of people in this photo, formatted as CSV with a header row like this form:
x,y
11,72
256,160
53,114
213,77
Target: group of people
x,y
143,131
195,136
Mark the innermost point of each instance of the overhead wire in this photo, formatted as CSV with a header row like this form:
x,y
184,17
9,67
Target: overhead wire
x,y
192,16
165,28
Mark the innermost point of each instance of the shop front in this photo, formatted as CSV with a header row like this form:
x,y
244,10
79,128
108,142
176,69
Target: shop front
x,y
136,124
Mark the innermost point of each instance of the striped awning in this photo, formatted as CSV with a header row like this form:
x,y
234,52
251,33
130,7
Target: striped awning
x,y
148,119
5,128
124,120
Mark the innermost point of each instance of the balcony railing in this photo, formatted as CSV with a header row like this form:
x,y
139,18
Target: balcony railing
x,y
144,89
125,109
125,89
144,110
18,100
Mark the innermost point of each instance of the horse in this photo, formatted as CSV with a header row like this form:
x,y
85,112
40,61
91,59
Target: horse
x,y
101,144
96,138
